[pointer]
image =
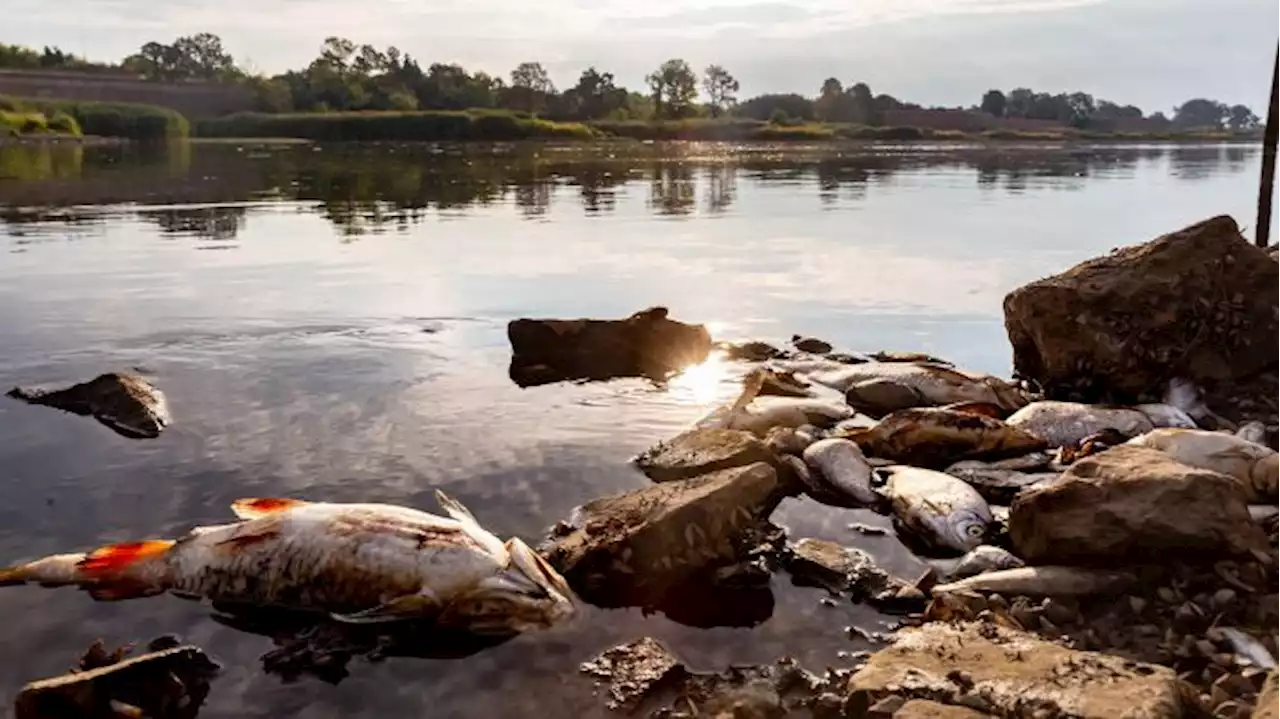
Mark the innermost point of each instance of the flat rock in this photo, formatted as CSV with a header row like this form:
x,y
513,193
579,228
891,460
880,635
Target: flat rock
x,y
632,548
1005,672
634,670
126,403
701,451
1132,503
826,564
1199,303
646,344
169,682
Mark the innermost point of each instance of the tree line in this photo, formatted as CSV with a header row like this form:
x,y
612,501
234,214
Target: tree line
x,y
348,76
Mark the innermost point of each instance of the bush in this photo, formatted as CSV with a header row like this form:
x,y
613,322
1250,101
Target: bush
x,y
65,124
893,133
114,119
10,104
780,117
392,126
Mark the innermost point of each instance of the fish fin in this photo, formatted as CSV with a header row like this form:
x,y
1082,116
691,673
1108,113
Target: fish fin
x,y
409,606
454,508
114,557
116,592
254,507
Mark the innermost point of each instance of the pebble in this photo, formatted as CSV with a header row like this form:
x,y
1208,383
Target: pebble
x,y
1167,595
1224,598
997,602
1137,604
1234,685
868,530
1057,612
1205,648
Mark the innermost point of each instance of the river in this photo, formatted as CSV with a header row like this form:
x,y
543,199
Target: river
x,y
329,323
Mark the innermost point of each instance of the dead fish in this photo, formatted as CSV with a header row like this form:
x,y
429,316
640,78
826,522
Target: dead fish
x,y
749,351
1253,431
775,412
785,440
937,384
128,404
979,560
878,397
1044,582
933,437
1067,423
842,468
998,485
1189,397
1257,466
1246,646
359,562
781,383
1091,445
1021,463
938,508
810,344
908,357
1166,415
987,409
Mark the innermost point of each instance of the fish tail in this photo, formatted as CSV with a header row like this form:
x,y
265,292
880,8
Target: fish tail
x,y
114,571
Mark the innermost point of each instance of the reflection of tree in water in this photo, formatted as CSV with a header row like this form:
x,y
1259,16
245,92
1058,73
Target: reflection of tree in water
x,y
721,187
389,189
1198,162
205,223
597,186
672,189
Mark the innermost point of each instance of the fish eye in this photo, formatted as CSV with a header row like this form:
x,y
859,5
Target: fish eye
x,y
975,530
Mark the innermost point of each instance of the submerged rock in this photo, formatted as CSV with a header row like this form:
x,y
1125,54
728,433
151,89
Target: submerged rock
x,y
634,670
1199,303
171,681
812,345
701,451
130,405
646,344
1005,672
1132,503
632,548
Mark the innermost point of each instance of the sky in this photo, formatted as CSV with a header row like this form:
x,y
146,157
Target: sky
x,y
1152,53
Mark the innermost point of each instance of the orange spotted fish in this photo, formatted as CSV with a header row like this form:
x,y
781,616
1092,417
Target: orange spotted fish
x,y
358,562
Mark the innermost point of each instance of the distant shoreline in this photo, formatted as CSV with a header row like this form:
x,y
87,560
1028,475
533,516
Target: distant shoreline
x,y
462,126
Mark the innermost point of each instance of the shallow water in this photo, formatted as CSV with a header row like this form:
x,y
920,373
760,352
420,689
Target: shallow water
x,y
346,341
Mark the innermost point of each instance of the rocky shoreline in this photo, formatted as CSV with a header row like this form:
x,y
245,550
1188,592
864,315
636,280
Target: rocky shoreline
x,y
1101,529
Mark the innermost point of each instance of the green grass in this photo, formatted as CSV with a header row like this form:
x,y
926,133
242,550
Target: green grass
x,y
392,126
105,119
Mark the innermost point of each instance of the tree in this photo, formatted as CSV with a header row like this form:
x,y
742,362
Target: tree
x,y
767,107
721,89
993,103
833,105
861,104
194,57
1199,112
595,96
674,88
1240,117
530,86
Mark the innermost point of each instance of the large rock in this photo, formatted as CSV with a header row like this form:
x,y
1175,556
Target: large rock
x,y
701,451
635,548
1132,503
1199,303
130,405
1009,673
646,344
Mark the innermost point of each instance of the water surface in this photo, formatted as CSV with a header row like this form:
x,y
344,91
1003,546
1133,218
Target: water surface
x,y
329,323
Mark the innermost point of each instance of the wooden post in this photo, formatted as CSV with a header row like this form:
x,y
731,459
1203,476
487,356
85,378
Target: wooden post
x,y
1267,183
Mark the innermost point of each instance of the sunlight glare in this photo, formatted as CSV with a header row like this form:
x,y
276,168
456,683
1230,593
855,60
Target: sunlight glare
x,y
703,383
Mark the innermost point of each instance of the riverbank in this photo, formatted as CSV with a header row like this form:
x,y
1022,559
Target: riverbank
x,y
504,126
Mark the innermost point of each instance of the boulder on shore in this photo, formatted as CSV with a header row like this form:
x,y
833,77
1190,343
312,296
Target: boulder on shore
x,y
1004,672
1132,503
701,451
1199,303
126,403
646,344
635,548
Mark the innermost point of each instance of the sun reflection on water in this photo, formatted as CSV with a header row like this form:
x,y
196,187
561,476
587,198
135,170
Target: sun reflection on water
x,y
704,383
